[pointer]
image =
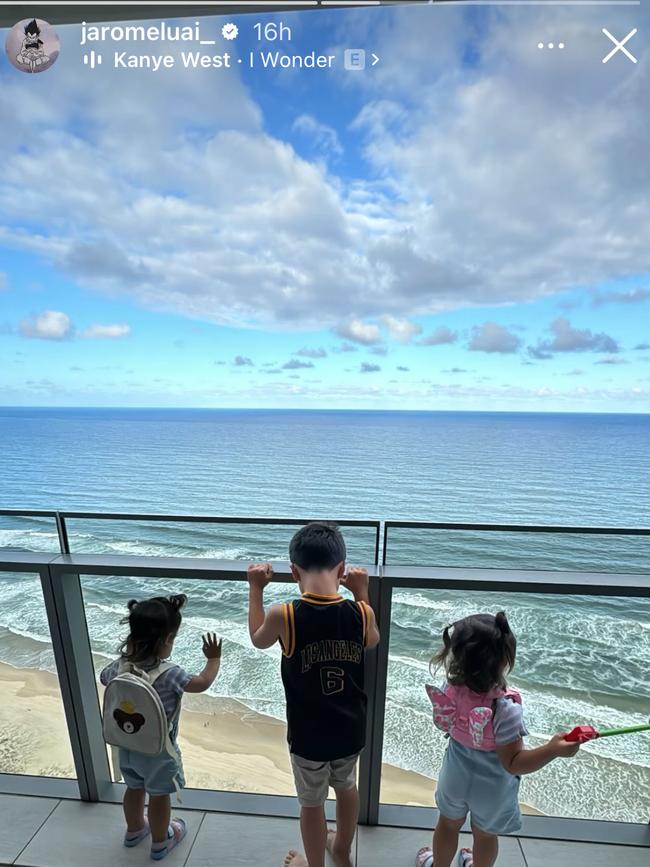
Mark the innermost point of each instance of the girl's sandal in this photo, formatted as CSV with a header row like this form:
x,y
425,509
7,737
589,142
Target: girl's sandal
x,y
465,858
424,858
177,830
132,839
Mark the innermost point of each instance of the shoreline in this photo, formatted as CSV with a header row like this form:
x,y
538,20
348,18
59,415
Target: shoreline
x,y
225,745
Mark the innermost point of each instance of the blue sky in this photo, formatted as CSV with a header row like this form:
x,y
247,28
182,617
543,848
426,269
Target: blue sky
x,y
466,226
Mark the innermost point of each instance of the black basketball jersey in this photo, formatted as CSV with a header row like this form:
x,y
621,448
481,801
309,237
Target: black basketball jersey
x,y
323,674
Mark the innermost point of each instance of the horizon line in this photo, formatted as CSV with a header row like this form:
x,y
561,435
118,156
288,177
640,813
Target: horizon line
x,y
323,409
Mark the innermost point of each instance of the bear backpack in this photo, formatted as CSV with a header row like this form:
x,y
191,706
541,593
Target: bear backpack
x,y
133,714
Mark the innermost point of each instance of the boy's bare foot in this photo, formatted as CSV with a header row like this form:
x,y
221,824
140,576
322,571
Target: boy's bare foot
x,y
295,859
340,859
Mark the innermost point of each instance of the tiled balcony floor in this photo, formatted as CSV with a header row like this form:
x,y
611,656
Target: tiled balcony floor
x,y
42,832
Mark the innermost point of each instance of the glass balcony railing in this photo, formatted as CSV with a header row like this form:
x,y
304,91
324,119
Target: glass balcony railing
x,y
584,645
233,738
33,731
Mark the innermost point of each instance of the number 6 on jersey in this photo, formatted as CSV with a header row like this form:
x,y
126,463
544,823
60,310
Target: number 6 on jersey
x,y
332,680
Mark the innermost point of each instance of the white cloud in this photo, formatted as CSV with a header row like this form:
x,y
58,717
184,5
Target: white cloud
x,y
48,325
109,332
401,329
296,364
566,338
359,332
502,159
369,368
55,325
492,337
439,337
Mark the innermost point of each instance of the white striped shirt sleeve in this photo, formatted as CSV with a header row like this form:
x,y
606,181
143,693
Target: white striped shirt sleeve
x,y
508,723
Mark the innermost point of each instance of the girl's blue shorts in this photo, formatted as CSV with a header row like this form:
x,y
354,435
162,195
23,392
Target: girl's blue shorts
x,y
475,782
157,775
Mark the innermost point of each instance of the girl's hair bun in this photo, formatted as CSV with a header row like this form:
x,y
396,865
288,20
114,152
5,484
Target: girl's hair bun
x,y
178,601
151,623
502,624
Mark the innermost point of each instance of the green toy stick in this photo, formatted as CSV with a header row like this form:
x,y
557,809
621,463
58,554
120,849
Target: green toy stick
x,y
624,731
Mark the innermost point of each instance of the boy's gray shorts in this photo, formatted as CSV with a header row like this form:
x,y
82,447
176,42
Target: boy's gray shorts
x,y
313,779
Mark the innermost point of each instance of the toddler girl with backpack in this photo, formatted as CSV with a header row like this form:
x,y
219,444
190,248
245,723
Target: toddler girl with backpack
x,y
142,704
486,755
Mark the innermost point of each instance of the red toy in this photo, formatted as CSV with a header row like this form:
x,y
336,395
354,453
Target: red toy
x,y
582,734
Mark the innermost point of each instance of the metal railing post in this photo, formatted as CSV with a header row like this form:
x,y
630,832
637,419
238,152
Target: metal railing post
x,y
377,678
384,555
71,645
365,762
62,532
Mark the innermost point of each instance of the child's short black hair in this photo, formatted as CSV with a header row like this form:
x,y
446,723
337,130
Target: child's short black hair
x,y
151,622
477,652
317,546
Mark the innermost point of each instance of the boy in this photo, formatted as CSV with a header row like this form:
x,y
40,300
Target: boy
x,y
323,637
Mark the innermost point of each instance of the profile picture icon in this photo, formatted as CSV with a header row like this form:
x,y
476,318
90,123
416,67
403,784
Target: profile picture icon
x,y
32,45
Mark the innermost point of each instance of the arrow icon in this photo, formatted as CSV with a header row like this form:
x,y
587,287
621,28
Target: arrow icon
x,y
375,59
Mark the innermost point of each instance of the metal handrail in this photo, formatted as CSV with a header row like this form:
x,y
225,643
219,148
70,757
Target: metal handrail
x,y
61,516
29,513
552,529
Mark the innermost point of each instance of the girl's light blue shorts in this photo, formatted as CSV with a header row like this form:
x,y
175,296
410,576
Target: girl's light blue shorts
x,y
157,775
475,782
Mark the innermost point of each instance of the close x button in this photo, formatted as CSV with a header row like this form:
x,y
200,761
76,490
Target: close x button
x,y
619,45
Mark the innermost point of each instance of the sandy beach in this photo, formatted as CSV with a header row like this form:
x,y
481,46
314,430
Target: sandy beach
x,y
224,744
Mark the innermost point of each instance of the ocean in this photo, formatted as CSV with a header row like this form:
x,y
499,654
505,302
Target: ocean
x,y
580,660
